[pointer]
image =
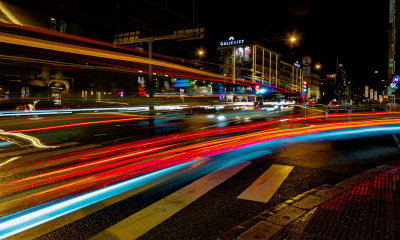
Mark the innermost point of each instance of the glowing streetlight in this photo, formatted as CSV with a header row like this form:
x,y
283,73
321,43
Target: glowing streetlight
x,y
318,66
200,53
292,39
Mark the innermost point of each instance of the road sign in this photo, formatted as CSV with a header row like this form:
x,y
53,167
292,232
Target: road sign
x,y
306,71
180,35
306,61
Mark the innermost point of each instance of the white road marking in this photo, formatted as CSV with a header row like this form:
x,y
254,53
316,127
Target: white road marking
x,y
266,185
141,222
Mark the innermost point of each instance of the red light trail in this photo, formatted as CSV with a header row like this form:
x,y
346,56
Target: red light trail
x,y
107,165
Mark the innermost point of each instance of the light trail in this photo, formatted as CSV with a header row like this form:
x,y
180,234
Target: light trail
x,y
35,141
77,125
12,225
117,158
55,120
8,161
197,149
81,50
68,111
106,170
43,112
175,138
8,14
87,51
90,41
21,222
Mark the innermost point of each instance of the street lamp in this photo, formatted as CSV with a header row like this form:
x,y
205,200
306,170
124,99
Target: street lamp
x,y
200,52
317,66
291,38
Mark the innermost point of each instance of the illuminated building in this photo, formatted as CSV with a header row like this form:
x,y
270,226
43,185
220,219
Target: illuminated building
x,y
314,91
240,61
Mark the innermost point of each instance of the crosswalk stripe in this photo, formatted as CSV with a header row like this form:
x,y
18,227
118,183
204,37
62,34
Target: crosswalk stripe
x,y
266,185
141,222
45,228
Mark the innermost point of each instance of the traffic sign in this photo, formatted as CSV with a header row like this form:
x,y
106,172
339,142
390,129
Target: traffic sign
x,y
306,71
180,35
306,61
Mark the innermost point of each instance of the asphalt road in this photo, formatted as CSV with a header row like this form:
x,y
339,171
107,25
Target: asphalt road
x,y
217,210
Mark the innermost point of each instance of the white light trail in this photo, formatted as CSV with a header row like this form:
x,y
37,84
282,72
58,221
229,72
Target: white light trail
x,y
9,160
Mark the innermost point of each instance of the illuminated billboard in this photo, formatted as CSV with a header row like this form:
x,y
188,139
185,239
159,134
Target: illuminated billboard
x,y
182,83
231,41
244,56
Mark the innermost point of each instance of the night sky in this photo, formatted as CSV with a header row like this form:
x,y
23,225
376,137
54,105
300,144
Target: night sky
x,y
353,31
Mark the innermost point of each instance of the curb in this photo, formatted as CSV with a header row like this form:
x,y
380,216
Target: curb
x,y
267,223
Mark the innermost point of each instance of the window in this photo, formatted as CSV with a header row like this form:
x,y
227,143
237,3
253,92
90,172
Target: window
x,y
53,24
229,61
63,26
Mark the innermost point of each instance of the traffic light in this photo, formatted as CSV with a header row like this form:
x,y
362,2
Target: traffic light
x,y
257,87
121,94
305,86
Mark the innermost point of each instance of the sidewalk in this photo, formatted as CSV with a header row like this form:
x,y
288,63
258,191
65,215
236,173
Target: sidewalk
x,y
365,206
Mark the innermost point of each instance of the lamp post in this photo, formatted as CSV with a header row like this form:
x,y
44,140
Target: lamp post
x,y
291,39
200,52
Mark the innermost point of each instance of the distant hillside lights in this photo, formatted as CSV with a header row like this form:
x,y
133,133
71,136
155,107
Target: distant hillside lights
x,y
231,41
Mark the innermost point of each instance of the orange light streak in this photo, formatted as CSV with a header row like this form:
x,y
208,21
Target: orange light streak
x,y
121,167
67,48
76,125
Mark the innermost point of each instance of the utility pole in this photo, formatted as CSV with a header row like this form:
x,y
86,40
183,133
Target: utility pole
x,y
131,38
151,85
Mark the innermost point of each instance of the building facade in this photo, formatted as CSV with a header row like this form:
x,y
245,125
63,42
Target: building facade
x,y
251,61
314,90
